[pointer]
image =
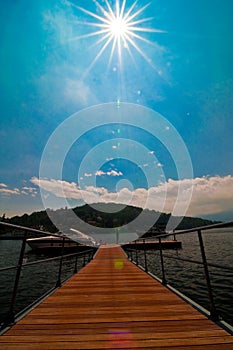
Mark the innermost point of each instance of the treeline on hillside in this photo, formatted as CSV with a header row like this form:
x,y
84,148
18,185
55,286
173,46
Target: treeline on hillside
x,y
100,215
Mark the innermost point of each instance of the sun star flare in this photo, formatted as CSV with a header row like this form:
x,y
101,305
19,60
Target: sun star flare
x,y
118,28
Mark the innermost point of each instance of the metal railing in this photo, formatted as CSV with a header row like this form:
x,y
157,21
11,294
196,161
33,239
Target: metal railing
x,y
133,256
85,256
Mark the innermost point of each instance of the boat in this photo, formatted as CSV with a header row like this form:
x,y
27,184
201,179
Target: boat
x,y
52,242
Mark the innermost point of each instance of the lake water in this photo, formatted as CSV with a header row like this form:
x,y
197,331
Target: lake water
x,y
184,276
35,280
189,278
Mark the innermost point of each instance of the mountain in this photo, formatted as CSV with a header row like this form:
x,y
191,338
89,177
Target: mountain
x,y
100,215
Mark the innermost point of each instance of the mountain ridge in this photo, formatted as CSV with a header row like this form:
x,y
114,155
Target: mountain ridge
x,y
106,215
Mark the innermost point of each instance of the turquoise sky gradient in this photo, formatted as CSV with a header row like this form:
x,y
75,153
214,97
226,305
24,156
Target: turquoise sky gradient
x,y
43,82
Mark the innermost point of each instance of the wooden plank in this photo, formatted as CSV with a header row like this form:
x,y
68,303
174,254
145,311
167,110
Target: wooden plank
x,y
124,331
112,304
122,342
160,326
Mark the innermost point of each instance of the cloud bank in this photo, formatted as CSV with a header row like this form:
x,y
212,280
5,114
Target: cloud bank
x,y
210,194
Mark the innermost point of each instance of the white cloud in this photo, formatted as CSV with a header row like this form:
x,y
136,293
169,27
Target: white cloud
x,y
114,173
76,91
100,173
109,173
7,191
59,188
29,189
210,194
87,174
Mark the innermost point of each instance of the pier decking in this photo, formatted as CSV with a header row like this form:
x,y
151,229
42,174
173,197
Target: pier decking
x,y
112,304
171,244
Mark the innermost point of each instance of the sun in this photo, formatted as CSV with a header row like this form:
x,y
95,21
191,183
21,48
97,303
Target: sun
x,y
117,28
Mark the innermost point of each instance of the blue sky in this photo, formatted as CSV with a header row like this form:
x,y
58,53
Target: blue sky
x,y
183,72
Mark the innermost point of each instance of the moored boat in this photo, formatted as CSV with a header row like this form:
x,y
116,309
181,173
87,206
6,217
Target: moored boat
x,y
52,242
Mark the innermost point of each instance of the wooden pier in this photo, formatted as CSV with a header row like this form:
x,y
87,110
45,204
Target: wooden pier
x,y
112,304
147,245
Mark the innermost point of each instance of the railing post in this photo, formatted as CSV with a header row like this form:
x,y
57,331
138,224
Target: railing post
x,y
84,259
136,251
213,312
58,284
162,262
10,317
76,264
145,257
131,254
89,256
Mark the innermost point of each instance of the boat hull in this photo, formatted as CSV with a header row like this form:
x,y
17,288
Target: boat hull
x,y
52,243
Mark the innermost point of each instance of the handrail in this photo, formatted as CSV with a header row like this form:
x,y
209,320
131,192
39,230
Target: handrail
x,y
181,232
29,229
202,228
198,262
213,311
37,262
218,266
11,315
